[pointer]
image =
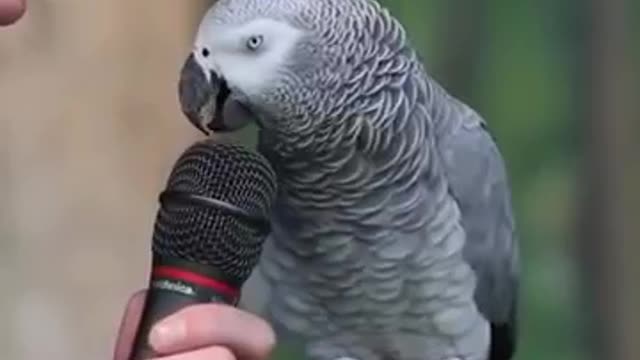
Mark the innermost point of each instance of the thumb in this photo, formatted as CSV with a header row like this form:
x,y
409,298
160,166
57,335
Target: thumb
x,y
129,326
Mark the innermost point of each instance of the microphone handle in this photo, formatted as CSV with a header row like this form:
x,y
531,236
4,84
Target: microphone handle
x,y
175,284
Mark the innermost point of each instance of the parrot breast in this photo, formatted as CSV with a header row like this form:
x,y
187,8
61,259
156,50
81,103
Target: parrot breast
x,y
365,255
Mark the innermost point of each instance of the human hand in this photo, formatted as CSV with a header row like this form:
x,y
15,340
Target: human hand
x,y
199,332
11,11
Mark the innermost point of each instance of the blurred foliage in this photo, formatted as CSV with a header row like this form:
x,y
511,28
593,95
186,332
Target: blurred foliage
x,y
523,77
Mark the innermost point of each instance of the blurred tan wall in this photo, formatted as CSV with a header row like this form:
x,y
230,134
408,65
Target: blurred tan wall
x,y
89,128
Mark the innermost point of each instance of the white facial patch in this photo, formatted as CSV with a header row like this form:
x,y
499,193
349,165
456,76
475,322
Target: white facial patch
x,y
230,55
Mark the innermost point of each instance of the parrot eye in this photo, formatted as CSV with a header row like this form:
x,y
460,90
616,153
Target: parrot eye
x,y
254,42
205,52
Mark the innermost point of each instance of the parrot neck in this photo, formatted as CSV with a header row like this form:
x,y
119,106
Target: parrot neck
x,y
369,160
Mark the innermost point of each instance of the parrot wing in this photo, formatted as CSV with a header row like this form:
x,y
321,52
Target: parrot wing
x,y
478,181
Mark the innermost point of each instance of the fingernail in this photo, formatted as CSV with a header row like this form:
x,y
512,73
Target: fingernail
x,y
167,334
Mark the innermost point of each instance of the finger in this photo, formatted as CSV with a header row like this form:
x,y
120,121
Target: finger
x,y
211,353
248,336
11,11
129,326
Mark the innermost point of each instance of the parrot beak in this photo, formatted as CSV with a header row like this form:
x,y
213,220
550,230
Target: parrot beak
x,y
202,99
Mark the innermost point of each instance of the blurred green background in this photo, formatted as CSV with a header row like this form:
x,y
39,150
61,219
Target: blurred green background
x,y
517,63
523,65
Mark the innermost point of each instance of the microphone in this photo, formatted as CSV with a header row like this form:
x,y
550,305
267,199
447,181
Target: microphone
x,y
209,231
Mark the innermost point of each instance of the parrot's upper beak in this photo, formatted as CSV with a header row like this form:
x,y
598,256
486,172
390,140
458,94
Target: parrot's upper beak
x,y
202,99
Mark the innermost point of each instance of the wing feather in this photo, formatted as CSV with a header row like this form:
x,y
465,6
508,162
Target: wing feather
x,y
478,181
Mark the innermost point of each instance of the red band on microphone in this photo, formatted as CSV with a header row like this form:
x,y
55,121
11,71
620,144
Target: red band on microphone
x,y
196,279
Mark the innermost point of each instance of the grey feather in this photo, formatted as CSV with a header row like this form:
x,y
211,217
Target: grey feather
x,y
393,235
478,180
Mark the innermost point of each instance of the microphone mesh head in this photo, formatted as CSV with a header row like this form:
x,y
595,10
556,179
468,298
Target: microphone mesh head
x,y
208,235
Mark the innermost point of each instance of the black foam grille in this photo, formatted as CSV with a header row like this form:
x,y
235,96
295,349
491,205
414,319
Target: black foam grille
x,y
207,235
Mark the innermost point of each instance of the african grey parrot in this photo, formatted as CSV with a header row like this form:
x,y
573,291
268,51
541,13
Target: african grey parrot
x,y
392,235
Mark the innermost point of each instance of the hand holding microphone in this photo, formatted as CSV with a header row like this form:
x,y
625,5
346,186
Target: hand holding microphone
x,y
207,239
200,332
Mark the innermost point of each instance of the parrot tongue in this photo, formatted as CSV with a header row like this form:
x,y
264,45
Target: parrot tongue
x,y
217,122
230,114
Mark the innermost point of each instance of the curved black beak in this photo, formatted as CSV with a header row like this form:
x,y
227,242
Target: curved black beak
x,y
202,99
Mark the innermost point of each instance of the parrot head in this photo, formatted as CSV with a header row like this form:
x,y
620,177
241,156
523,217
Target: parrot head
x,y
283,64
